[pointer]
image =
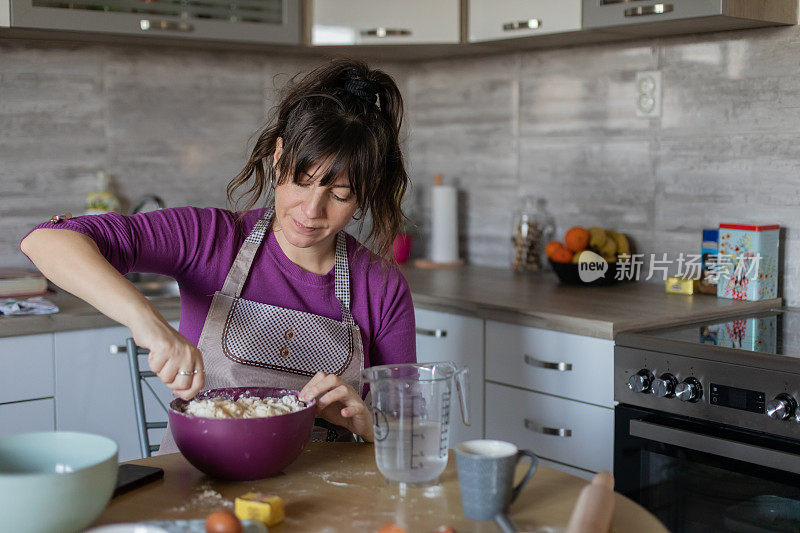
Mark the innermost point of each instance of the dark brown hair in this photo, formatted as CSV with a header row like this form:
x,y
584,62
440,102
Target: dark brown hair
x,y
347,113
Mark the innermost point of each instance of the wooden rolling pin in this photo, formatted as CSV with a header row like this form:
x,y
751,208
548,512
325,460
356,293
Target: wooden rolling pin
x,y
595,507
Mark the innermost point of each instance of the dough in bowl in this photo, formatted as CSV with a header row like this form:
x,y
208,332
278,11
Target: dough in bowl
x,y
247,407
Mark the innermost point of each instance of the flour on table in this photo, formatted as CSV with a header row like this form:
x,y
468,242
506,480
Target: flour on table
x,y
251,407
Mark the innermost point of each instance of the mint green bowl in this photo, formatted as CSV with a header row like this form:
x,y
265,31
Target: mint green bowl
x,y
55,482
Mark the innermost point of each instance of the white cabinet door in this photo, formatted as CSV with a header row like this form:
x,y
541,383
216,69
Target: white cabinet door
x,y
23,417
563,364
447,337
346,22
565,431
26,367
93,388
490,20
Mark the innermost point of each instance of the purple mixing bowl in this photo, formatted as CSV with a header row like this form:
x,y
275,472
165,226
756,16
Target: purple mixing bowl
x,y
241,449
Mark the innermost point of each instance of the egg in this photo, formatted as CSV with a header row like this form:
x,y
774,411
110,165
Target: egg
x,y
445,529
223,522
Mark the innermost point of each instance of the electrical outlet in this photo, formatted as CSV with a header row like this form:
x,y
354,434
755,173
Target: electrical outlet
x,y
648,94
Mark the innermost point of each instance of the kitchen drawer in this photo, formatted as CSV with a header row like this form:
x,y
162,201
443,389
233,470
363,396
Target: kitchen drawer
x,y
490,20
26,367
608,13
459,339
573,366
23,417
571,470
528,418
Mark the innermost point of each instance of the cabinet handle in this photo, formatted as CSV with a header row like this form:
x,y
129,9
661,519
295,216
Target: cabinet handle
x,y
382,32
608,2
530,24
165,25
656,9
438,333
560,366
556,432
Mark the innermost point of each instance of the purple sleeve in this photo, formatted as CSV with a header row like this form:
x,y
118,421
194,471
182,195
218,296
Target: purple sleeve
x,y
395,341
166,241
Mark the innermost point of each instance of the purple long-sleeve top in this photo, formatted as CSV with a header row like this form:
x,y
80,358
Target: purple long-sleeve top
x,y
197,248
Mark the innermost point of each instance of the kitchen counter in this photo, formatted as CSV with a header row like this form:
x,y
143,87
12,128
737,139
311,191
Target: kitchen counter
x,y
336,487
540,300
74,314
532,299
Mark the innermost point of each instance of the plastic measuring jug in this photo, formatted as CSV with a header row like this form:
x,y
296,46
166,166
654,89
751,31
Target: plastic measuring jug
x,y
411,417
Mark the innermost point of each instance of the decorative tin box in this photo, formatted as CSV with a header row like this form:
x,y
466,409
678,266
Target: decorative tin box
x,y
748,262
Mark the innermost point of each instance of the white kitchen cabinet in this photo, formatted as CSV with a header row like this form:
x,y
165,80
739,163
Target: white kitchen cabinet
x,y
26,367
552,392
491,20
23,417
348,22
573,433
562,364
456,338
254,21
93,388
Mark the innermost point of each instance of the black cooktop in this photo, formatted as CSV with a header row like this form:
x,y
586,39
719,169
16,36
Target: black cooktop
x,y
773,332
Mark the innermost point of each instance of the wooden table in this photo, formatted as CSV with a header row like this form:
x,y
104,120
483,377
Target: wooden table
x,y
336,487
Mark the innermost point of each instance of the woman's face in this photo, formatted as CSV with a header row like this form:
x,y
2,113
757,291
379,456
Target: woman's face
x,y
311,214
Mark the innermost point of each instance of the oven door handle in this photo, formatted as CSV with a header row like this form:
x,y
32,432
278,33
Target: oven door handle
x,y
747,453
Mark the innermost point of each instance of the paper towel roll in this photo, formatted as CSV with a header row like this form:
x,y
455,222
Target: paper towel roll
x,y
444,224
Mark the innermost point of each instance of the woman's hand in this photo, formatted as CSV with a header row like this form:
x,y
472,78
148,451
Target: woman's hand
x,y
176,361
339,404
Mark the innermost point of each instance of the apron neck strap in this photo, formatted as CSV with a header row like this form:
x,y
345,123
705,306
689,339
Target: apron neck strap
x,y
240,270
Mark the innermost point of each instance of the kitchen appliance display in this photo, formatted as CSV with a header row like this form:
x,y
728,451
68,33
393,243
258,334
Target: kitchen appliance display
x,y
707,431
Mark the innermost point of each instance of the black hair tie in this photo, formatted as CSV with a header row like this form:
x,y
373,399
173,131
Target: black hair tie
x,y
364,89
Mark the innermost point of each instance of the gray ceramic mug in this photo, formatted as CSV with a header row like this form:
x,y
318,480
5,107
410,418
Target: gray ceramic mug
x,y
486,474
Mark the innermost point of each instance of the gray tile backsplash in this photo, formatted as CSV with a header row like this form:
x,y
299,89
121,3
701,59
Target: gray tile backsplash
x,y
561,124
558,124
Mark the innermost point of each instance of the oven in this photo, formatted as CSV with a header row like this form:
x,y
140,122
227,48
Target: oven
x,y
707,437
697,476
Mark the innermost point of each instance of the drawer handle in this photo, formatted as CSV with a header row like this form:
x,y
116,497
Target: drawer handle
x,y
165,25
530,24
656,9
608,2
438,333
544,430
561,366
382,32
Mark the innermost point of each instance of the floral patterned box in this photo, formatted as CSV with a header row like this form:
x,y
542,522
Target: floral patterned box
x,y
747,263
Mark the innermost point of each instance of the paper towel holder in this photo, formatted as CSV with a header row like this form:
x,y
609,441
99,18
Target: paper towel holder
x,y
438,180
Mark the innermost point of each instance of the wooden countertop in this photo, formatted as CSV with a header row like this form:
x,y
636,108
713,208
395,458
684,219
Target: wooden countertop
x,y
540,300
74,314
531,299
336,487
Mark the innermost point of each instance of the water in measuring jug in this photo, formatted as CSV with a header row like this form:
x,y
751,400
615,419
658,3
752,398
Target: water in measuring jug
x,y
411,417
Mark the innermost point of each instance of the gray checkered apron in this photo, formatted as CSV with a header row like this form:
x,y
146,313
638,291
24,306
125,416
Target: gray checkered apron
x,y
246,343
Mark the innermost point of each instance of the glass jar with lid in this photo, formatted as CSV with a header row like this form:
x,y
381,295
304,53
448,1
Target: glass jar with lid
x,y
532,227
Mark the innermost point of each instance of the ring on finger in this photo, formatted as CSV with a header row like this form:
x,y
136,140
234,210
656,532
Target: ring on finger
x,y
190,372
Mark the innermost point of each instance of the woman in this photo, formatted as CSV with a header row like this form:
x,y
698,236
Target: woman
x,y
277,296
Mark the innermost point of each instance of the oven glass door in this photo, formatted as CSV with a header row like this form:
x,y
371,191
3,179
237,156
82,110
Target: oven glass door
x,y
699,477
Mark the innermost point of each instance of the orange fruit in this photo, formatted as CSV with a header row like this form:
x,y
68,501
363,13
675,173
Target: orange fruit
x,y
562,255
577,239
551,247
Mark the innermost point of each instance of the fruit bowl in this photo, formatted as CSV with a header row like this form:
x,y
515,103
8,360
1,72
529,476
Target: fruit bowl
x,y
568,274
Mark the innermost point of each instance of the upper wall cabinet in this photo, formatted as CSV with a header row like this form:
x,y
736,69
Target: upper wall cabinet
x,y
347,22
490,20
663,17
254,21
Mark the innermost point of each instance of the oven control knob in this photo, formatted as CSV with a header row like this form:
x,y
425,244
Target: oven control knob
x,y
689,390
664,385
641,381
782,407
